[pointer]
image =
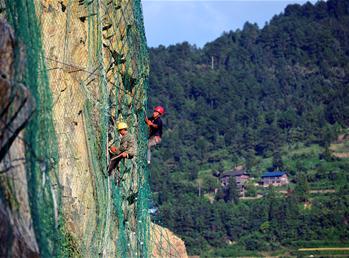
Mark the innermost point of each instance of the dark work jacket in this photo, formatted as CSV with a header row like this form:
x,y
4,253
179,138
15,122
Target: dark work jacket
x,y
155,131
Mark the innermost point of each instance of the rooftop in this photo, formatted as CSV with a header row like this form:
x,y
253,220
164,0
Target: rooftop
x,y
234,173
273,174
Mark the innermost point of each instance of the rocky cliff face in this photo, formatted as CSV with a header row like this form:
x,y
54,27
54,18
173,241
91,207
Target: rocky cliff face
x,y
166,244
16,107
85,65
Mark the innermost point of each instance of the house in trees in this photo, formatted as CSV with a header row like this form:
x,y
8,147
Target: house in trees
x,y
276,178
240,175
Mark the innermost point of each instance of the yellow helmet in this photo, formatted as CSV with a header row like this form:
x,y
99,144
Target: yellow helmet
x,y
122,125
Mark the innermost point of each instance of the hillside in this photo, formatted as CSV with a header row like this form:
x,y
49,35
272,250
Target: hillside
x,y
340,147
267,98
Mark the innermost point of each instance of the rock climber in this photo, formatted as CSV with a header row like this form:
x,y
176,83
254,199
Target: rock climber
x,y
155,129
126,150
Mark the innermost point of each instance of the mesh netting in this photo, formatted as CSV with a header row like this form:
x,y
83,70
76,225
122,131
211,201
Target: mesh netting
x,y
87,67
41,165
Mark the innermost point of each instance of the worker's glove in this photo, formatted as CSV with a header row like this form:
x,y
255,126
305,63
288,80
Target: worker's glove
x,y
147,121
113,149
123,155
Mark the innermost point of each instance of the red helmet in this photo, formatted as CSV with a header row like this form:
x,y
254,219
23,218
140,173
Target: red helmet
x,y
160,110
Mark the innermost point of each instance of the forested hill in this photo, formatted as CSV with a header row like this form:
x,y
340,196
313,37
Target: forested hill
x,y
286,82
267,98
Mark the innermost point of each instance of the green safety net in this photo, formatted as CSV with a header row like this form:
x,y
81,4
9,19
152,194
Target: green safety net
x,y
114,84
41,154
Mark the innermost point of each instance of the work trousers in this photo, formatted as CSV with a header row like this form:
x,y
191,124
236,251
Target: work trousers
x,y
113,163
154,140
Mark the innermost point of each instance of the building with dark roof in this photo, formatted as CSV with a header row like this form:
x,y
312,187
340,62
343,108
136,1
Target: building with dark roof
x,y
276,178
240,177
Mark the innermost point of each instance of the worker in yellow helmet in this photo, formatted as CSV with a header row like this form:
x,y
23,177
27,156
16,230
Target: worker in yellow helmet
x,y
127,148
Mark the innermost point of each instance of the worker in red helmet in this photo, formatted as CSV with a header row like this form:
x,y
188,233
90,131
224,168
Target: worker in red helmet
x,y
155,129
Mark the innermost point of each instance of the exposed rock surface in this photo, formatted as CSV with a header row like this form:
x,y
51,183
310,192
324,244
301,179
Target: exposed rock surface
x,y
96,76
166,243
16,103
17,237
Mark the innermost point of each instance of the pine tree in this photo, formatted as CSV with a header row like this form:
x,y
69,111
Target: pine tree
x,y
231,193
302,188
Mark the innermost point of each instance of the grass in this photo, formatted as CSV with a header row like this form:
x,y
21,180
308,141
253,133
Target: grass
x,y
301,249
291,154
305,161
322,185
230,251
320,244
209,196
70,247
340,147
204,172
322,252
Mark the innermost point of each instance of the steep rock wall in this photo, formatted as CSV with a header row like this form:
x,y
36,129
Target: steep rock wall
x,y
87,68
166,244
16,107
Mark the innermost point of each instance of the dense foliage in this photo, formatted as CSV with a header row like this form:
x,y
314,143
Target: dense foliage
x,y
264,224
243,98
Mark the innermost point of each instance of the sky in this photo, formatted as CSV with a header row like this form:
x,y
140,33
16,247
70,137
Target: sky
x,y
168,22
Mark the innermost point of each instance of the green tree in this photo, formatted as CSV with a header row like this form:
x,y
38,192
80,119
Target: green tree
x,y
301,189
210,183
278,164
231,193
